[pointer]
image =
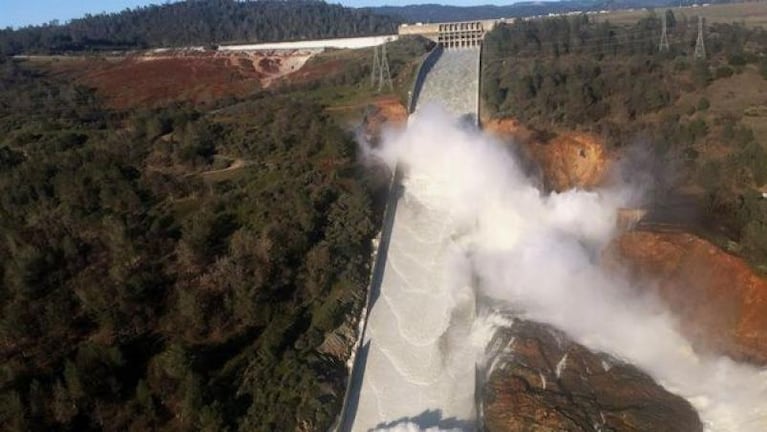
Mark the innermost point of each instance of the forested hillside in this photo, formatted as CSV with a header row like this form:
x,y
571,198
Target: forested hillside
x,y
444,13
199,22
703,120
172,269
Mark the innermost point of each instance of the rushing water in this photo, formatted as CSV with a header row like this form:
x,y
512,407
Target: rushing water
x,y
418,366
469,219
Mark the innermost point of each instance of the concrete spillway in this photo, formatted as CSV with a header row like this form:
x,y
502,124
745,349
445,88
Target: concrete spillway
x,y
453,83
466,215
416,364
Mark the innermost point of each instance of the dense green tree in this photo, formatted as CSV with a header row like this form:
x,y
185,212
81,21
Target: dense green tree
x,y
198,22
140,293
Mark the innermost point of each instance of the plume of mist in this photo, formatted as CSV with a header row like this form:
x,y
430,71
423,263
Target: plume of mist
x,y
539,255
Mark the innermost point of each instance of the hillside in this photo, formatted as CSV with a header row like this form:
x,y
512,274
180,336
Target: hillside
x,y
752,14
202,22
591,104
696,126
180,261
443,13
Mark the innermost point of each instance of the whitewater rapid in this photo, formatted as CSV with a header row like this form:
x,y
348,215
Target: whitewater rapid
x,y
538,256
418,367
414,365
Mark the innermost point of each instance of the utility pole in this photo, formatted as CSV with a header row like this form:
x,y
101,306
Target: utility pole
x,y
385,73
381,73
700,46
374,70
663,45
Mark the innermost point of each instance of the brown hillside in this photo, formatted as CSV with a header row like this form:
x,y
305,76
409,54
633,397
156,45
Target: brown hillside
x,y
720,300
197,77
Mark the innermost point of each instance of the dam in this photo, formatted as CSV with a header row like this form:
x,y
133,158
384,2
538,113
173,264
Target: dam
x,y
413,366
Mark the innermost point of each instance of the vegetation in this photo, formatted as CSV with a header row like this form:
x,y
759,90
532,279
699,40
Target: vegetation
x,y
352,84
444,13
701,117
138,294
198,22
750,13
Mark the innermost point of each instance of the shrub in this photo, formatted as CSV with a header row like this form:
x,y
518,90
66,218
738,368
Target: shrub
x,y
724,72
701,75
737,59
703,104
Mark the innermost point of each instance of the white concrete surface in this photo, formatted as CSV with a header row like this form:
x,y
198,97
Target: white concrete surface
x,y
453,83
358,42
419,365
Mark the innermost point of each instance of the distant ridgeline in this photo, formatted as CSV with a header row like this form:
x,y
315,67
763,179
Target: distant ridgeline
x,y
441,13
198,23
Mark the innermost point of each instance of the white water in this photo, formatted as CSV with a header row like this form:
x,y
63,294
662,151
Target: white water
x,y
469,217
420,366
473,214
453,83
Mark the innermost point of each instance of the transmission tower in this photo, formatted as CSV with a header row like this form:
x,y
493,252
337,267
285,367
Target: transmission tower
x,y
663,45
374,70
700,46
381,73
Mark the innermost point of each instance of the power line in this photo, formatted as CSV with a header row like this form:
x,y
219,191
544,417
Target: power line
x,y
700,46
581,49
591,45
663,45
598,41
380,73
375,67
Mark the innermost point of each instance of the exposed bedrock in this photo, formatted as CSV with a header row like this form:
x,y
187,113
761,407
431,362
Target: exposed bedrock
x,y
545,382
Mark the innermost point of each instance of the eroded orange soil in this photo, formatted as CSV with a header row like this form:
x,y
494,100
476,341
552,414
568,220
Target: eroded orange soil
x,y
720,301
379,113
154,79
569,160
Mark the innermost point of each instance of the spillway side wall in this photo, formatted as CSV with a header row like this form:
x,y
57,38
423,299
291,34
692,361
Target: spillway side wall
x,y
420,77
345,418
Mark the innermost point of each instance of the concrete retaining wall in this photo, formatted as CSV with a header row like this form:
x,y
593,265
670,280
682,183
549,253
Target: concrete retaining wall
x,y
360,42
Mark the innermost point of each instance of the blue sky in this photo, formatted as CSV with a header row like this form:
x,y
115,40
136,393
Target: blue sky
x,y
17,13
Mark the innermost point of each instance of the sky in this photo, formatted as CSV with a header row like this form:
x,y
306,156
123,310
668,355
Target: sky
x,y
17,13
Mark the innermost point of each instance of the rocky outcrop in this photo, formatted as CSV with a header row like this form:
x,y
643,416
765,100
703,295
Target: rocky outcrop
x,y
339,342
545,382
721,302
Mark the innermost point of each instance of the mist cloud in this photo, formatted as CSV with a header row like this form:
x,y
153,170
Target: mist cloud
x,y
539,255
